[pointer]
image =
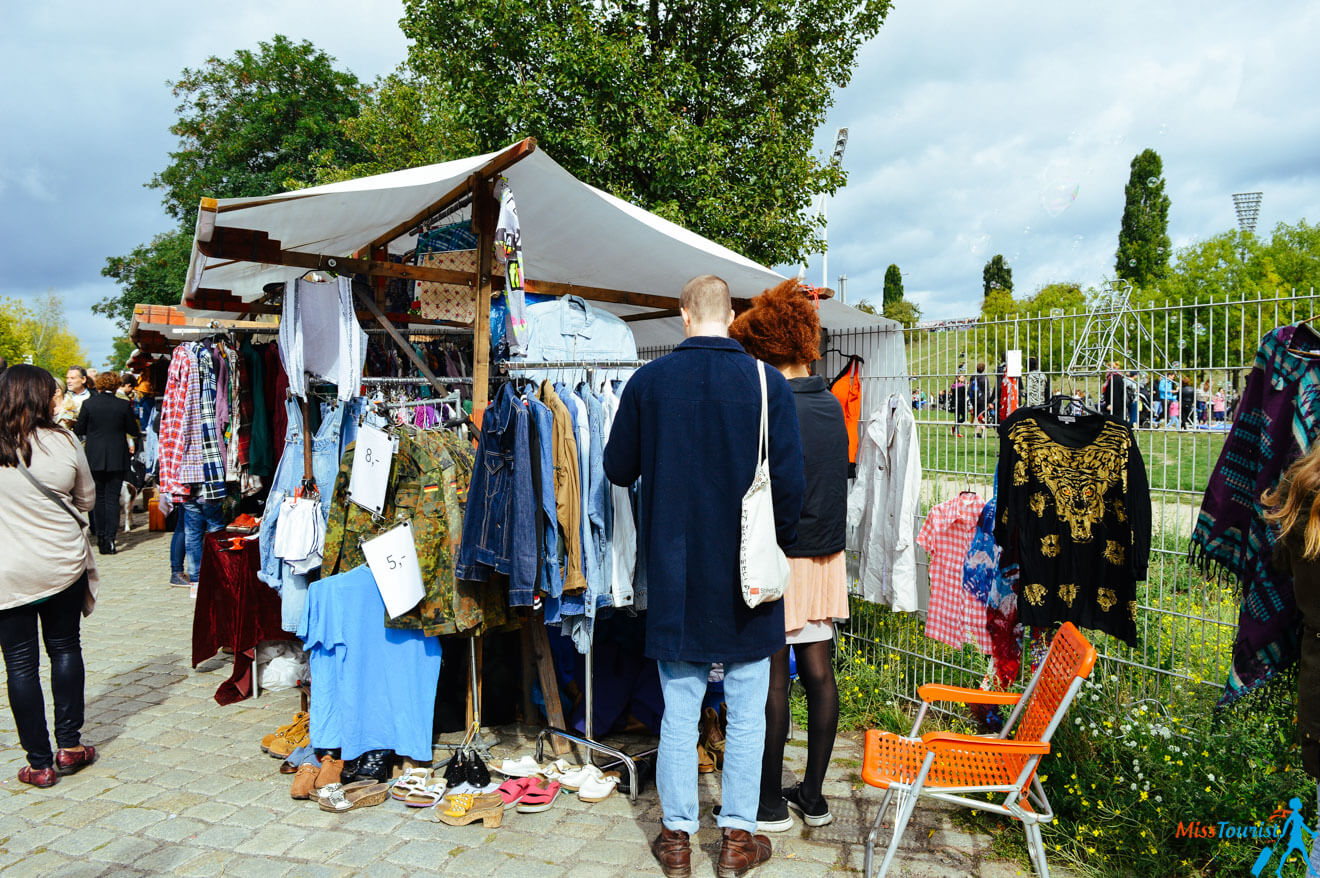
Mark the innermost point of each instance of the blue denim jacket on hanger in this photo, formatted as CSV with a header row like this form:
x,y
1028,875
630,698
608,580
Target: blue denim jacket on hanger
x,y
569,328
499,523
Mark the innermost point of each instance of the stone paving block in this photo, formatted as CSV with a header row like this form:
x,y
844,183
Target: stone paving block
x,y
126,849
319,845
271,841
82,814
132,819
42,863
85,869
256,867
311,816
207,865
175,829
365,850
209,812
317,870
131,794
434,854
384,870
76,844
34,837
224,837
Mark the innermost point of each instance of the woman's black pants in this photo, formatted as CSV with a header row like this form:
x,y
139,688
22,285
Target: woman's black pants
x,y
60,616
105,520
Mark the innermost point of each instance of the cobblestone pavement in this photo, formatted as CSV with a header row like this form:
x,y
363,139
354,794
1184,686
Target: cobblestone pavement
x,y
181,786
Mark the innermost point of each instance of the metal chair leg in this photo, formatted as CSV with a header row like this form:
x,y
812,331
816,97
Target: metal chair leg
x,y
906,805
875,832
1036,846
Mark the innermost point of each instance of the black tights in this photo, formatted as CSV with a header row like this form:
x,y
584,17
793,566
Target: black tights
x,y
105,521
60,616
815,668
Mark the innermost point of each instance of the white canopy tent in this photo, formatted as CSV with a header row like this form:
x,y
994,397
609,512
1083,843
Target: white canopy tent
x,y
576,239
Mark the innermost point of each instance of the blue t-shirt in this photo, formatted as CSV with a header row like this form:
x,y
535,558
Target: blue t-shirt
x,y
373,688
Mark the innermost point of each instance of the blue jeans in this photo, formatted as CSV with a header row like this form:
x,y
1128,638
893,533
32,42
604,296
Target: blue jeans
x,y
178,541
746,685
200,516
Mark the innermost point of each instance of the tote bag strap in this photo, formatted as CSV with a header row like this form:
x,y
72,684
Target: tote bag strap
x,y
763,439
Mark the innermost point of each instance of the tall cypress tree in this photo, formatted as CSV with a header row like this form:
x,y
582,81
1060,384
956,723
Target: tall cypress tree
x,y
1143,241
893,285
996,275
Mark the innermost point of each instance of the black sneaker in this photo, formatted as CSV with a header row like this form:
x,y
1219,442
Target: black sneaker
x,y
814,813
769,819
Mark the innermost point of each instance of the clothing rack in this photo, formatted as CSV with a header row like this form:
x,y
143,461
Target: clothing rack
x,y
421,330
587,739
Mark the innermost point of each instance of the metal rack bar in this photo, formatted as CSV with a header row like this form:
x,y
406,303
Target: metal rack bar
x,y
421,330
517,366
410,380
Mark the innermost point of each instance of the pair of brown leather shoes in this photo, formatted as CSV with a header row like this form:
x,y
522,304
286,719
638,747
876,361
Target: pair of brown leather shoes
x,y
739,854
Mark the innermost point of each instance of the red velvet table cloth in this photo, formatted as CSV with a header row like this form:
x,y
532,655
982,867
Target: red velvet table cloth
x,y
234,609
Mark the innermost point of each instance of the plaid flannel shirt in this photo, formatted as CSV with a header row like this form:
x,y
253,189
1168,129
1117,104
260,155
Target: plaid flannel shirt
x,y
207,472
179,399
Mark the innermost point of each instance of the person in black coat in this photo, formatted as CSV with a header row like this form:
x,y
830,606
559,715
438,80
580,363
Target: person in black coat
x,y
783,328
106,423
688,426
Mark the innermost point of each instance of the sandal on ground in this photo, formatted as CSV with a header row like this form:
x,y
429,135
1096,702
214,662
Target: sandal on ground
x,y
426,798
539,798
352,796
466,808
574,780
557,769
411,781
598,789
524,766
329,790
512,790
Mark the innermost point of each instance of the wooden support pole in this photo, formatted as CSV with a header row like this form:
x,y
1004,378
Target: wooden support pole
x,y
380,282
545,666
483,224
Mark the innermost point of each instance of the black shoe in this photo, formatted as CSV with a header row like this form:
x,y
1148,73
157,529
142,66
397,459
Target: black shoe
x,y
456,770
110,548
477,773
769,819
100,545
814,813
373,765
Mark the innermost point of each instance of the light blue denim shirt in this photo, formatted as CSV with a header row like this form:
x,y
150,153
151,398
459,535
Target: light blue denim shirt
x,y
569,328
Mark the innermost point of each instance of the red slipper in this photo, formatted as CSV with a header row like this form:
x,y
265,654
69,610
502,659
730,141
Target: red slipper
x,y
513,789
538,798
38,777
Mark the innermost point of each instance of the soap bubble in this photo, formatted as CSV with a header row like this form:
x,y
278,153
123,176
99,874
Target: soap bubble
x,y
1076,241
1059,196
1164,129
1152,181
978,244
1027,230
1132,263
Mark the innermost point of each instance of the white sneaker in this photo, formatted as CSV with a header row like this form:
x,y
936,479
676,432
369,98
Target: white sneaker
x,y
524,766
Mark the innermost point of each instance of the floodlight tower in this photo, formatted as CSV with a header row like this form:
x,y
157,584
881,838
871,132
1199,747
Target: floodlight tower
x,y
1247,205
840,144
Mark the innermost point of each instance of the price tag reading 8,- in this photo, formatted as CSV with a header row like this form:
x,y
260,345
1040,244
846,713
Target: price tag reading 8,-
x,y
372,456
392,557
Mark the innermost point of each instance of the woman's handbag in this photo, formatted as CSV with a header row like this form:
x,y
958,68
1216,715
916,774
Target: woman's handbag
x,y
763,565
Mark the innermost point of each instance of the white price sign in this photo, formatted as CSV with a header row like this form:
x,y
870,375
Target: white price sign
x,y
1013,364
372,456
392,557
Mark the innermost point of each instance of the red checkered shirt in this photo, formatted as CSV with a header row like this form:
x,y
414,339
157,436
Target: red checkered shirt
x,y
955,616
174,412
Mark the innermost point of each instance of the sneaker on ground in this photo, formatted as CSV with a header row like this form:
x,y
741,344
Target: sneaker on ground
x,y
179,579
814,813
769,819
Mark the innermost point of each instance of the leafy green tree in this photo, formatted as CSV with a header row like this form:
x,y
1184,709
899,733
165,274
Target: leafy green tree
x,y
249,124
1143,241
905,312
51,345
865,306
122,350
893,285
702,113
15,346
997,275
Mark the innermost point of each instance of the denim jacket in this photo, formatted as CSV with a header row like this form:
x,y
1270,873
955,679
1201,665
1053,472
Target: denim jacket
x,y
569,328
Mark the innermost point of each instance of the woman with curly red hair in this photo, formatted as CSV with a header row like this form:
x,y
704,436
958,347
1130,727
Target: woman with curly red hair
x,y
783,329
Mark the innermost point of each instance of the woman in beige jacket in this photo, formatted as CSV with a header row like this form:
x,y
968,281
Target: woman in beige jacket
x,y
50,575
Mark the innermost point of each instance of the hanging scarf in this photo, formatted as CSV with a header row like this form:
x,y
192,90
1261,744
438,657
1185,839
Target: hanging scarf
x,y
1278,418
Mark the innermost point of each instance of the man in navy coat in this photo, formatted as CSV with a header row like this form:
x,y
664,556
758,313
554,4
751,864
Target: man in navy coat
x,y
687,426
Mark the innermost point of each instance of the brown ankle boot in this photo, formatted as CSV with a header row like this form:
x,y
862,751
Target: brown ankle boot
x,y
331,769
302,782
741,852
672,848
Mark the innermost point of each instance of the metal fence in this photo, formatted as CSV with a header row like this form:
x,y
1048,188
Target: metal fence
x,y
1186,623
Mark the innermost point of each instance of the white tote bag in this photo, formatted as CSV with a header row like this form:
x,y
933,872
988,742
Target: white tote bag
x,y
763,565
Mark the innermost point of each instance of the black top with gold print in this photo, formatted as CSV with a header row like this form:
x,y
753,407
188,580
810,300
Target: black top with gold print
x,y
1075,504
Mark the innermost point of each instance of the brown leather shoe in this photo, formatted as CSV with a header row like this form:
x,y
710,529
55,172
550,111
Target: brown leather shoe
x,y
672,848
73,761
302,783
330,771
46,777
741,852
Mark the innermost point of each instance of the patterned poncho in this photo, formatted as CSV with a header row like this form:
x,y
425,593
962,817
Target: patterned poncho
x,y
1278,418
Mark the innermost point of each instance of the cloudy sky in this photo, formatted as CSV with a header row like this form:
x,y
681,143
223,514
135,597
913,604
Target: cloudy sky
x,y
975,129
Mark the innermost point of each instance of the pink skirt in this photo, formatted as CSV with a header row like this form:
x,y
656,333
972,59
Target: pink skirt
x,y
817,591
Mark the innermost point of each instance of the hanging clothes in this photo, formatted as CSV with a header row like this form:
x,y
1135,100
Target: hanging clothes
x,y
847,389
1075,505
990,578
954,617
1035,387
882,505
320,336
508,252
1278,419
570,328
568,501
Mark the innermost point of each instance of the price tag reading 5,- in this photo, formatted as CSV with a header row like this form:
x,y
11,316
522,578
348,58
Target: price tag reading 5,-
x,y
372,456
392,557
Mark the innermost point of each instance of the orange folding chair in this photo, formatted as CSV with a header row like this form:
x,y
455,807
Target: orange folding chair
x,y
949,766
